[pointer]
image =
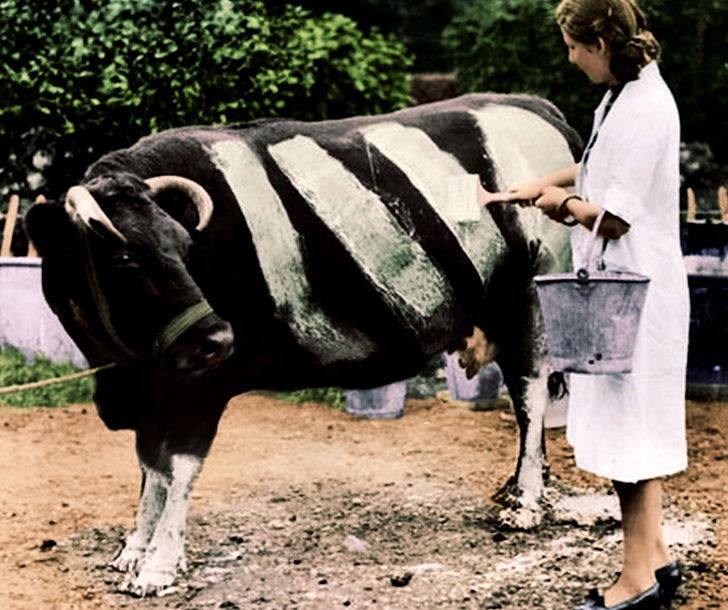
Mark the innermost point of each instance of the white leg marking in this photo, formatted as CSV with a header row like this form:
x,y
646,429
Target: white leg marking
x,y
394,263
428,169
151,504
530,477
165,554
279,255
528,512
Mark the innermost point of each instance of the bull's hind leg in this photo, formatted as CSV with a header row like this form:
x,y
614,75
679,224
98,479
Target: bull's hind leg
x,y
526,372
156,548
525,493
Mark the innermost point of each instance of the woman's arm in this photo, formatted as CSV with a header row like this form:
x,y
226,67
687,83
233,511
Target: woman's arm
x,y
566,207
531,189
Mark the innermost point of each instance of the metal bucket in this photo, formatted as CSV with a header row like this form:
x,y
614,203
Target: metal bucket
x,y
484,386
385,402
592,317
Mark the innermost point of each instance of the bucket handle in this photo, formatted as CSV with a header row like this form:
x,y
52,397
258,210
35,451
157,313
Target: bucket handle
x,y
583,273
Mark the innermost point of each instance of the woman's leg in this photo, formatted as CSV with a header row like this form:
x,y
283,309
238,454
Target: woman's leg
x,y
644,548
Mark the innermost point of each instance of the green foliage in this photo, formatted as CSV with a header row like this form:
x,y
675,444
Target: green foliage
x,y
92,75
15,370
334,397
417,24
342,72
514,46
695,65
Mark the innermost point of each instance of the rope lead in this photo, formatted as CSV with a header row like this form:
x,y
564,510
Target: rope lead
x,y
53,381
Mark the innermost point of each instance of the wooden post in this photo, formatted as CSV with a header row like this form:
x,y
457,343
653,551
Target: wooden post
x,y
10,219
723,203
691,205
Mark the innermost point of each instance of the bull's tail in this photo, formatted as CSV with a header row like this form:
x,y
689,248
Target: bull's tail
x,y
558,388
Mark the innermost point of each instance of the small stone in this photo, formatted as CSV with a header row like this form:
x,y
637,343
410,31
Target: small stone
x,y
401,580
355,545
47,545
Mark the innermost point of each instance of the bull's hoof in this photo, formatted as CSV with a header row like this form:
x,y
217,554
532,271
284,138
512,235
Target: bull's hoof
x,y
150,583
517,515
129,560
509,496
520,518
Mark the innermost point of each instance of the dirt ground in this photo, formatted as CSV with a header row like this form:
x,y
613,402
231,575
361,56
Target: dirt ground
x,y
307,507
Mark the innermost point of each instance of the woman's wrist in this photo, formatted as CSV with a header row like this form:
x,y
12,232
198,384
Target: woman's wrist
x,y
565,216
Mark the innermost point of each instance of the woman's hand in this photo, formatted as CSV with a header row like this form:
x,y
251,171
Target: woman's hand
x,y
550,200
528,190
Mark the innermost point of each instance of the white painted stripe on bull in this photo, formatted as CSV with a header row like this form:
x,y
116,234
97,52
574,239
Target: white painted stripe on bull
x,y
279,255
523,146
395,264
428,168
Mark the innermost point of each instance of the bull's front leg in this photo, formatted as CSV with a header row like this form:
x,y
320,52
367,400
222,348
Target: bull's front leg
x,y
154,554
151,503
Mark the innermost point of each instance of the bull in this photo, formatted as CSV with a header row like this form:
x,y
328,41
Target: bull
x,y
204,262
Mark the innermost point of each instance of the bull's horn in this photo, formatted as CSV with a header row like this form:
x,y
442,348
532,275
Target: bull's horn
x,y
80,203
188,187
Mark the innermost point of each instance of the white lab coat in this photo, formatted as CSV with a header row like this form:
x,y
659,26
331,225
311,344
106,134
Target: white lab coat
x,y
631,427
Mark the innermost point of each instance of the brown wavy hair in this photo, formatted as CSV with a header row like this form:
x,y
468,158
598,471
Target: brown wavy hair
x,y
621,24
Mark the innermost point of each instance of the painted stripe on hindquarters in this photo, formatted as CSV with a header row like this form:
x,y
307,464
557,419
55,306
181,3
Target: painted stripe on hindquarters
x,y
395,264
428,168
279,253
523,146
520,144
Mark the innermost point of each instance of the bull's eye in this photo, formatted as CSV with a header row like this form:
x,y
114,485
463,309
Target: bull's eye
x,y
125,260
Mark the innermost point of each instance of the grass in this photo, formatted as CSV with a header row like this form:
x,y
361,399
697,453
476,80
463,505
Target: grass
x,y
334,397
16,370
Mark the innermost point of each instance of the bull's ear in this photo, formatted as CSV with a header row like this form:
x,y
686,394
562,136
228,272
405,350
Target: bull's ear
x,y
178,206
50,229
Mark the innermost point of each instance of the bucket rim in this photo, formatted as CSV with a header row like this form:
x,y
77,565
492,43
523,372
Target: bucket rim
x,y
594,276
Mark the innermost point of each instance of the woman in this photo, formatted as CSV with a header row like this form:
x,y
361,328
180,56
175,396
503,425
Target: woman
x,y
629,428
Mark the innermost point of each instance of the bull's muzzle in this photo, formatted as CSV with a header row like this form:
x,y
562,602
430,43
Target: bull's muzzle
x,y
211,342
179,324
208,344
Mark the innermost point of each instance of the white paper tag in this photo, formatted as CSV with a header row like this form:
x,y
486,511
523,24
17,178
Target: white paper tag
x,y
462,197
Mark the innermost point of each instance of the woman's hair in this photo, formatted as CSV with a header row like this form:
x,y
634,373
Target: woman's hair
x,y
621,24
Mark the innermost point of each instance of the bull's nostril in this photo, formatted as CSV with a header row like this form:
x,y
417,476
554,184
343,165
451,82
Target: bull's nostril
x,y
217,345
209,349
208,344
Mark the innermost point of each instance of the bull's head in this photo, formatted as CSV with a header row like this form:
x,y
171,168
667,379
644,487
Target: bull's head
x,y
116,258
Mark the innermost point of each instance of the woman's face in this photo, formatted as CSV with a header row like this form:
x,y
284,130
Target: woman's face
x,y
593,60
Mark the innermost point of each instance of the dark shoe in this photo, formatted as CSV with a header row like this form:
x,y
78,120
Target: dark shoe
x,y
649,600
669,578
